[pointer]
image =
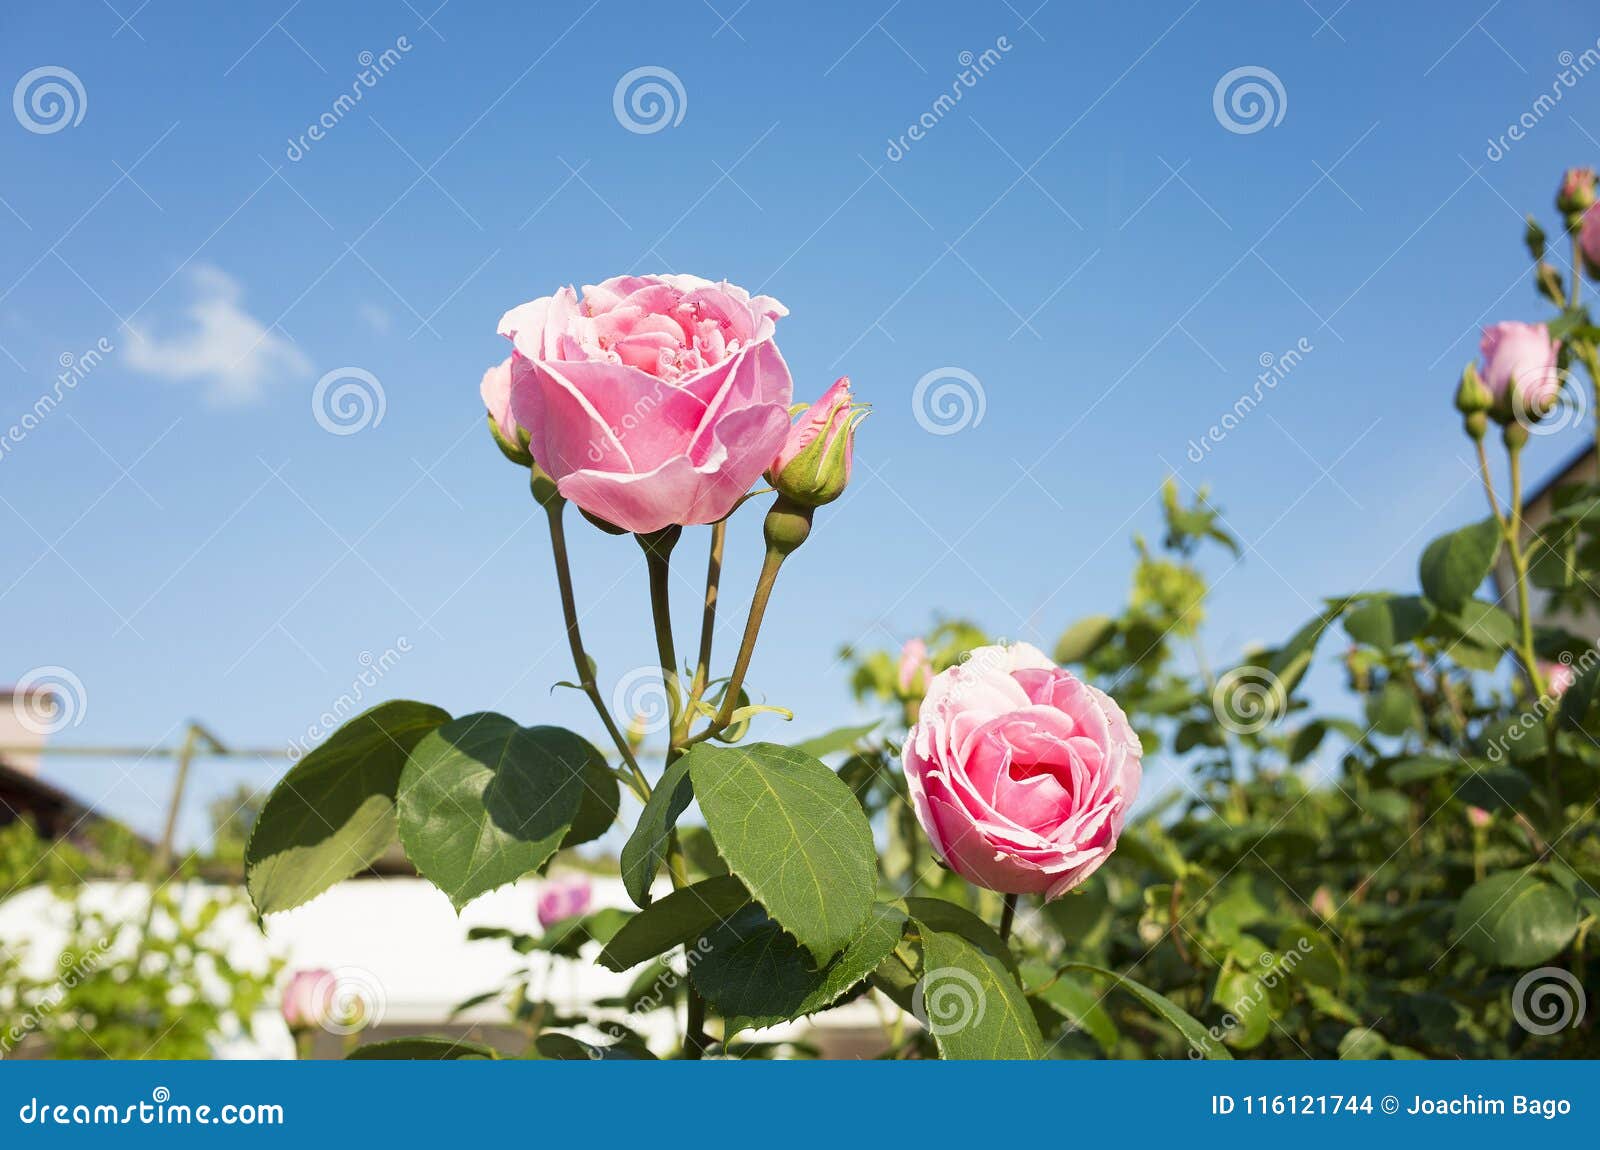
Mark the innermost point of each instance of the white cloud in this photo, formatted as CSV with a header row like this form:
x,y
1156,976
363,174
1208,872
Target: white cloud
x,y
230,352
377,319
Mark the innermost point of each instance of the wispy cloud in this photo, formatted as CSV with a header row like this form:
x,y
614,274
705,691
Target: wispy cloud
x,y
226,350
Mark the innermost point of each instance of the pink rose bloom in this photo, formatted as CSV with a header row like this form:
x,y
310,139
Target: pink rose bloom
x,y
1557,677
915,668
308,999
496,392
563,898
1524,352
650,400
1022,775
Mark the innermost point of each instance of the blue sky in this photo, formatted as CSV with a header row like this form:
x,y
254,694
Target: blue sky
x,y
1081,234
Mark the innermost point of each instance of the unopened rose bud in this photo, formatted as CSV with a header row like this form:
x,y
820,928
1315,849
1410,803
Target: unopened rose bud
x,y
496,391
813,466
1473,399
1478,817
1576,194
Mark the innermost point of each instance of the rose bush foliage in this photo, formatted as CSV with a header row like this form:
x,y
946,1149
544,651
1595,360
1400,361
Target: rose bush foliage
x,y
1379,878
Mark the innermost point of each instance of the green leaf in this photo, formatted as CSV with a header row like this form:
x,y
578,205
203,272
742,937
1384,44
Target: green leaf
x,y
1075,1002
1387,621
1393,709
971,1003
1081,640
680,917
841,739
566,1048
598,810
1516,918
1454,566
755,975
1418,769
642,853
793,831
483,801
1493,788
1197,1036
936,914
333,814
422,1049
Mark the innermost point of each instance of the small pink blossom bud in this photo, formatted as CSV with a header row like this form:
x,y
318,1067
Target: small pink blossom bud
x,y
813,466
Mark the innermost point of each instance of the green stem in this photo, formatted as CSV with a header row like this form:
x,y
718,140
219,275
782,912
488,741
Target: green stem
x,y
1577,268
1007,914
694,1030
1488,486
747,646
658,561
569,610
1519,564
708,626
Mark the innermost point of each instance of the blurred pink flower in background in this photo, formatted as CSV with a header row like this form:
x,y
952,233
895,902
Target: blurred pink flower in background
x,y
650,400
1022,775
308,998
915,669
1526,353
564,897
1478,817
1558,677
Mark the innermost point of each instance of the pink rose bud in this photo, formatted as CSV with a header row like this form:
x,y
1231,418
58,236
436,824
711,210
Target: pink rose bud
x,y
308,999
650,400
1589,240
813,466
1478,817
496,392
911,679
1519,368
563,898
1322,903
1558,677
1577,191
1021,774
